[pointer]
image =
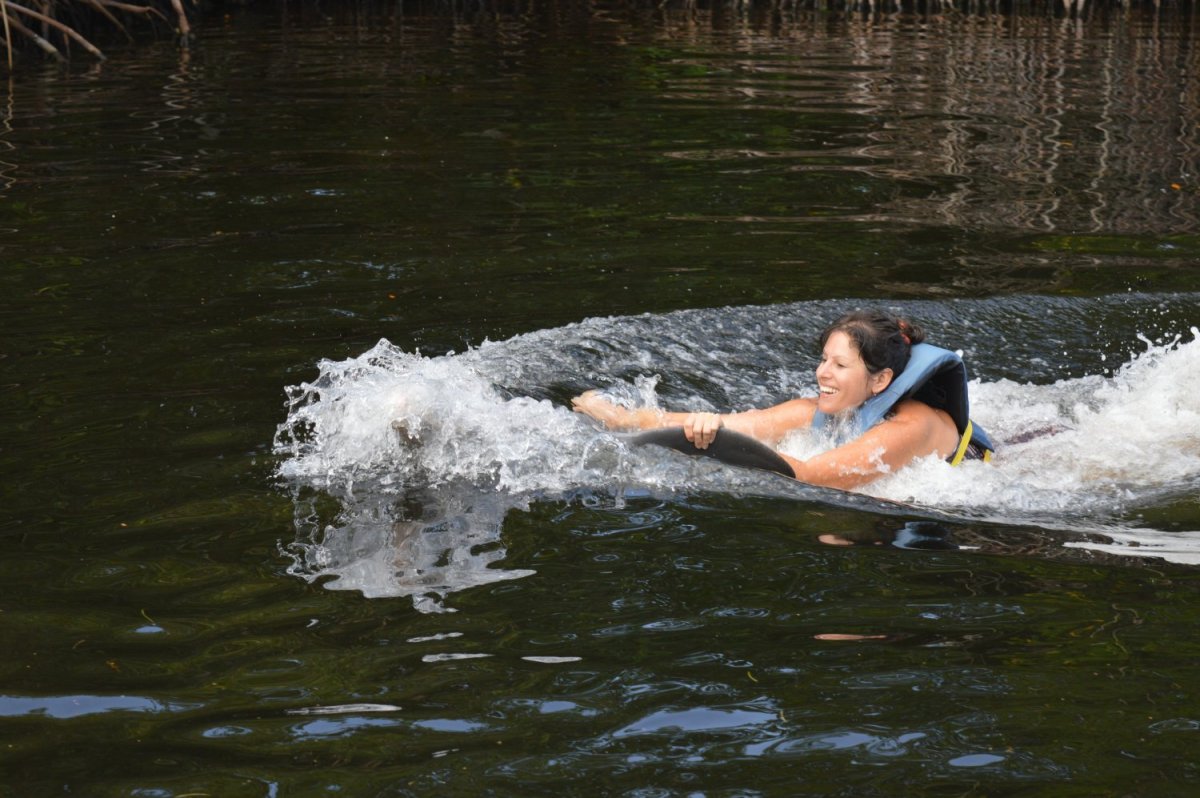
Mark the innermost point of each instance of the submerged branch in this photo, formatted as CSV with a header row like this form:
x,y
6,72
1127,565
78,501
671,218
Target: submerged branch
x,y
61,27
185,30
129,8
45,46
55,32
7,34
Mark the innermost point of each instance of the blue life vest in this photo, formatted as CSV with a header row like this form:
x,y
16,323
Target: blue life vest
x,y
937,377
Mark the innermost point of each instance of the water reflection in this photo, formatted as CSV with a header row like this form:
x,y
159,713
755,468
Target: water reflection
x,y
1111,546
427,547
1023,122
696,719
7,168
918,535
65,707
182,114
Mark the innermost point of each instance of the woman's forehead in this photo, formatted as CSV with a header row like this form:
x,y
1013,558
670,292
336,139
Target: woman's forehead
x,y
839,343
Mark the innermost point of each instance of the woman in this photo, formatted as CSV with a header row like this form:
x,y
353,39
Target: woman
x,y
887,397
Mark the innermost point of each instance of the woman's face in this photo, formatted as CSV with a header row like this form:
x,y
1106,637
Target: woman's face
x,y
842,376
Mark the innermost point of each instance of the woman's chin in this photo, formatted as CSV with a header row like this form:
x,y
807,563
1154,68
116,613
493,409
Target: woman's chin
x,y
828,405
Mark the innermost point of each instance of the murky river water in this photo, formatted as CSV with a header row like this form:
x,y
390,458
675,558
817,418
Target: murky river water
x,y
226,274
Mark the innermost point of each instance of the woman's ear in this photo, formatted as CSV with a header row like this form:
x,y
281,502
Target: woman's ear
x,y
880,380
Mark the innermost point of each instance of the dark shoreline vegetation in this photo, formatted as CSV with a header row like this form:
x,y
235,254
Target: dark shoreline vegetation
x,y
60,30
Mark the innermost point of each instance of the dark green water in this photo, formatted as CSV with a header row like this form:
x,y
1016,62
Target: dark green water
x,y
183,237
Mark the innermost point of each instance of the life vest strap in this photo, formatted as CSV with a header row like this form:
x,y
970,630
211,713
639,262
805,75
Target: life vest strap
x,y
963,444
964,447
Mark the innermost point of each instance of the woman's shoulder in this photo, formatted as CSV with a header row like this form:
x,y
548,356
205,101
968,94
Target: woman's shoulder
x,y
914,410
795,412
925,421
799,403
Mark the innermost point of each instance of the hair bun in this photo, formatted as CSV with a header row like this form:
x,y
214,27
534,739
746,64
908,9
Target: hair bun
x,y
912,333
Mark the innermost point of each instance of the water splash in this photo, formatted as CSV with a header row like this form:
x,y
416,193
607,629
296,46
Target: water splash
x,y
424,456
1095,447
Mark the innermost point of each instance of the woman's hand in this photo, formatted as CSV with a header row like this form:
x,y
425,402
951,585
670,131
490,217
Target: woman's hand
x,y
612,416
701,428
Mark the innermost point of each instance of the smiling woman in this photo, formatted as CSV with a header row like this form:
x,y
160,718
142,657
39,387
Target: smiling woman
x,y
885,398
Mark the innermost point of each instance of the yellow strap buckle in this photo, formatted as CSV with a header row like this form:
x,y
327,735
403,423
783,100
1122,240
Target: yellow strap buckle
x,y
963,444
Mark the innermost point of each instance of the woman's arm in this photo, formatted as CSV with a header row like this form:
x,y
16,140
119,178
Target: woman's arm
x,y
768,425
914,430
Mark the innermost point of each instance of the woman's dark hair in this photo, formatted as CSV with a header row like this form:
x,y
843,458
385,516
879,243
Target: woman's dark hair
x,y
883,341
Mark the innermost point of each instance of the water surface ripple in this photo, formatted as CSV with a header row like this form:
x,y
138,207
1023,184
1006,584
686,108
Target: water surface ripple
x,y
228,271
